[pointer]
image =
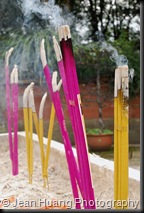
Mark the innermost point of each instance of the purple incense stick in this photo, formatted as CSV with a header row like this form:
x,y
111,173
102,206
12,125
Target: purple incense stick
x,y
9,122
73,88
9,112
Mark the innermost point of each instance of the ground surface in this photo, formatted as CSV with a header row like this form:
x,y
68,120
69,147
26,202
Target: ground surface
x,y
35,195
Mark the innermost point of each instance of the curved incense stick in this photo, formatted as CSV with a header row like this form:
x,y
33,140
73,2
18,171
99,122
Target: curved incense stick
x,y
14,88
35,118
41,132
7,56
42,105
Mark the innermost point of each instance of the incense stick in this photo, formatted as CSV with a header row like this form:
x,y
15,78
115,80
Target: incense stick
x,y
14,90
74,95
28,127
121,135
50,132
49,137
7,56
41,133
30,136
35,118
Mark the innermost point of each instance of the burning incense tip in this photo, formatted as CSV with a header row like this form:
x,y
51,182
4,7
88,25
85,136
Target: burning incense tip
x,y
25,95
43,53
120,73
42,105
59,84
64,32
12,77
32,100
54,81
57,49
14,74
7,56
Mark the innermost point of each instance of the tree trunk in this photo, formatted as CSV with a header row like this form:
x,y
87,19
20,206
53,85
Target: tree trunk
x,y
99,100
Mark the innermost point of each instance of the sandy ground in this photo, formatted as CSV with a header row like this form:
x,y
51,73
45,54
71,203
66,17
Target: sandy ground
x,y
35,195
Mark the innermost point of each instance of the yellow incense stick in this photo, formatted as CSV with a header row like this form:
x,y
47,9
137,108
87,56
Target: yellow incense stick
x,y
125,125
117,146
121,135
25,112
35,119
30,138
28,127
41,143
41,133
50,132
115,149
30,146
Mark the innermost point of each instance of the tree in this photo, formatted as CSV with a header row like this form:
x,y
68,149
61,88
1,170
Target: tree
x,y
109,16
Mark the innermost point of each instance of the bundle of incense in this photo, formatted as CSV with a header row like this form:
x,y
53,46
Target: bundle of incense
x,y
39,130
14,90
65,86
27,110
121,134
75,108
73,170
7,56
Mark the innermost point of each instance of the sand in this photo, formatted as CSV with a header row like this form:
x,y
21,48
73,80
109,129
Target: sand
x,y
35,195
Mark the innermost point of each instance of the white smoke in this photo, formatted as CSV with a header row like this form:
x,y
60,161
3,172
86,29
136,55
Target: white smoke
x,y
120,60
46,11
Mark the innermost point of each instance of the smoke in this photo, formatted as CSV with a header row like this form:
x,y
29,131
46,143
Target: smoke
x,y
120,60
47,11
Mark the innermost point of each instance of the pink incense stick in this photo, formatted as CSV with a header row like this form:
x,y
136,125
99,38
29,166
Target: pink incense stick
x,y
8,105
73,88
73,170
14,90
